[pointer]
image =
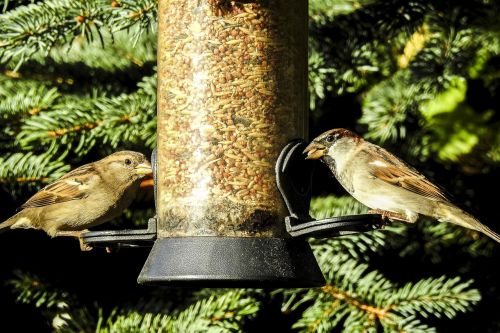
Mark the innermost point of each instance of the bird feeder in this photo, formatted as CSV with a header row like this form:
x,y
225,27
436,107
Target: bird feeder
x,y
232,92
232,188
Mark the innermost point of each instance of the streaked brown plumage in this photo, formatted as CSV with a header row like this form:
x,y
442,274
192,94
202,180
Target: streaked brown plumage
x,y
85,197
385,183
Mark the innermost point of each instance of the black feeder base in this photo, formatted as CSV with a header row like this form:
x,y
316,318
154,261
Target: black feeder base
x,y
231,262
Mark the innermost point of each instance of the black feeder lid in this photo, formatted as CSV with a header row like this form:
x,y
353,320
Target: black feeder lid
x,y
236,262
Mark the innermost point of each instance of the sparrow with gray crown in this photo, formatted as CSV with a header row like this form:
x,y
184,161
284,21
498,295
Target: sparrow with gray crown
x,y
385,183
90,195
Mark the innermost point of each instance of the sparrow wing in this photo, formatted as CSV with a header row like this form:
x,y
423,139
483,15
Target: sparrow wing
x,y
394,171
71,186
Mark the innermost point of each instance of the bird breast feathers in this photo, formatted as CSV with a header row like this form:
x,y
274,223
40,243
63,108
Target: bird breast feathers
x,y
345,152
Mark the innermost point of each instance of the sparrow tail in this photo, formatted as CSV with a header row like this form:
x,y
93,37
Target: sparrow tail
x,y
4,226
449,213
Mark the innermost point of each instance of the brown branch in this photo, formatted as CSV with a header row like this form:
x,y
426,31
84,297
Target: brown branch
x,y
229,314
140,13
414,45
11,74
125,118
26,180
34,111
134,60
63,131
351,300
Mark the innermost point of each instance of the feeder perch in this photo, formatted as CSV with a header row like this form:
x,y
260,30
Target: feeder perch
x,y
253,262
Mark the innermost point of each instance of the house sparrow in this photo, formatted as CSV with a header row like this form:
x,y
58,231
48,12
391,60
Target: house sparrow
x,y
85,197
385,183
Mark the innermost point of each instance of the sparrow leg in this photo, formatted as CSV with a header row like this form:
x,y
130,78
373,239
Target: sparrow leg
x,y
76,234
390,215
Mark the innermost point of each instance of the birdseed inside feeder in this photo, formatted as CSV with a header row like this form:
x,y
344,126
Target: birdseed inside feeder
x,y
231,93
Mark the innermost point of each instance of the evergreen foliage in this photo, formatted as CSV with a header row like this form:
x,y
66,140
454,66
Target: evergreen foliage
x,y
358,300
78,81
218,312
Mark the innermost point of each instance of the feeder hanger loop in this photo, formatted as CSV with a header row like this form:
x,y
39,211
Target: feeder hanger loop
x,y
294,176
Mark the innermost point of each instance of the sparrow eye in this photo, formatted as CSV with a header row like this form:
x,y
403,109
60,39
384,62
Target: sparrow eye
x,y
128,161
330,138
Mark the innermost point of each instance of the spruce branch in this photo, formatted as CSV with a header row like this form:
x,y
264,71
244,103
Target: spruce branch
x,y
436,240
76,124
436,297
357,300
25,97
223,313
83,67
68,125
366,35
130,118
56,305
317,75
322,11
116,56
494,152
451,48
397,16
27,30
389,107
407,324
141,14
37,28
20,171
355,65
357,246
30,289
455,129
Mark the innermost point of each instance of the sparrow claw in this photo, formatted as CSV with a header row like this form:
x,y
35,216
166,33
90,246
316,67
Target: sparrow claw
x,y
386,216
78,235
384,223
84,247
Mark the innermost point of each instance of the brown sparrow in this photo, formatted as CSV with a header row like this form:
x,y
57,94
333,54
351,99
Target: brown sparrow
x,y
385,183
85,197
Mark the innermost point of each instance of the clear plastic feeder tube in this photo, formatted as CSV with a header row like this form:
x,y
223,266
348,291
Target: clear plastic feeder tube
x,y
232,92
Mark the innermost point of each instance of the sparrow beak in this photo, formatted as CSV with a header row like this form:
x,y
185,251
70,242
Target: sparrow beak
x,y
314,151
144,168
